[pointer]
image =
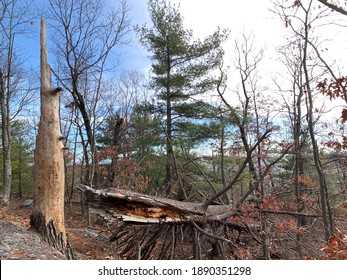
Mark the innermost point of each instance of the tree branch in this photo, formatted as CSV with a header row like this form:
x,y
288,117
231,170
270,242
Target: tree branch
x,y
211,235
334,7
295,214
238,174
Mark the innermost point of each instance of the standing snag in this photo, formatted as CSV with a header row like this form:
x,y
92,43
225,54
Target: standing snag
x,y
48,205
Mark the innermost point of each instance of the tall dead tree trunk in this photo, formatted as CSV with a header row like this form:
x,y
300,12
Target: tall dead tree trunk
x,y
48,209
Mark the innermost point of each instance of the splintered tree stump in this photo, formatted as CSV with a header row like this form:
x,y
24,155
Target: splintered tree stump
x,y
147,227
48,200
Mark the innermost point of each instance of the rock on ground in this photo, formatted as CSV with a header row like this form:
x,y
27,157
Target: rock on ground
x,y
17,243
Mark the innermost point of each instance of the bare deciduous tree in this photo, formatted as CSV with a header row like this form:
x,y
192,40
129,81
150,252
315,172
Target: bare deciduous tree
x,y
85,38
14,21
302,22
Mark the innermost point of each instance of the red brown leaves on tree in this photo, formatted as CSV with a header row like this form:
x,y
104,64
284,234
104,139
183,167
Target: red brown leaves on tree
x,y
336,88
127,173
307,181
297,3
344,115
336,248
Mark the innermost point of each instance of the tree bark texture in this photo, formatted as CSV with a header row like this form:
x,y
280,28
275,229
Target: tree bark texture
x,y
48,206
324,199
6,145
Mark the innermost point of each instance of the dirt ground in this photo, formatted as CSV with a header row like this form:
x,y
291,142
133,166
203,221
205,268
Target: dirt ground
x,y
88,243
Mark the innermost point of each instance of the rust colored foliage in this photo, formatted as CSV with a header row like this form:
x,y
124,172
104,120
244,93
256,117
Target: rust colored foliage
x,y
123,173
297,3
271,202
307,181
344,115
336,248
284,226
335,89
336,145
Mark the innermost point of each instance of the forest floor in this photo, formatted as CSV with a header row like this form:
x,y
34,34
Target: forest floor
x,y
88,243
92,242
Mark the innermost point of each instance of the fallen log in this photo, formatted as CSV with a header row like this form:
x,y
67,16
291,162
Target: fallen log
x,y
151,225
129,206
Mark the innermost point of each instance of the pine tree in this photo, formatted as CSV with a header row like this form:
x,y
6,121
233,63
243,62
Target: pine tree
x,y
22,160
182,71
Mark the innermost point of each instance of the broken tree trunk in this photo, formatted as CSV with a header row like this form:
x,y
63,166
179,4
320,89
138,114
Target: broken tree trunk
x,y
48,201
142,224
146,227
133,207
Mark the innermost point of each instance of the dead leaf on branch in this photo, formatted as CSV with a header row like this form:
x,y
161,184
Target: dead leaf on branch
x,y
344,115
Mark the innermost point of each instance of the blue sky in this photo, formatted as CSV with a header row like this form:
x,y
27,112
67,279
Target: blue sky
x,y
133,54
203,16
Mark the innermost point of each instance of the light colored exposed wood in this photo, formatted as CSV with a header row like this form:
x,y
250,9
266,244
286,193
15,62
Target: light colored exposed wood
x,y
128,206
48,201
135,207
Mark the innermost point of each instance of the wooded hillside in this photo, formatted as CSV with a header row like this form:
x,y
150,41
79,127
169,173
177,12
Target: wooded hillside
x,y
225,149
